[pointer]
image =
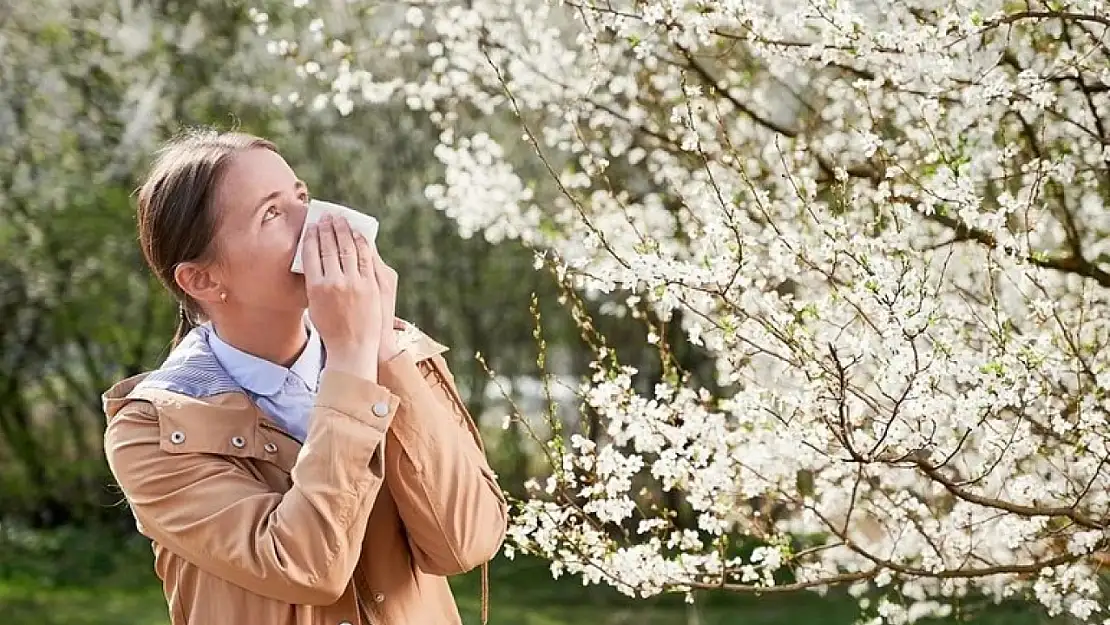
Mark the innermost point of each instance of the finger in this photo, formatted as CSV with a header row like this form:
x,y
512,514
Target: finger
x,y
366,271
387,277
345,240
329,247
386,280
310,254
376,257
365,255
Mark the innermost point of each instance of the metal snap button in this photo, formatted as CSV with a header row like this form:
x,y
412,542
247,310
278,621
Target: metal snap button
x,y
379,597
177,437
381,409
238,441
345,623
270,447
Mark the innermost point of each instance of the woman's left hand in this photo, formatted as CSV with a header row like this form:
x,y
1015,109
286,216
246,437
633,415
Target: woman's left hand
x,y
387,284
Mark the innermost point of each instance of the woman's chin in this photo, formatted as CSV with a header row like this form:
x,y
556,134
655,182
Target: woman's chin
x,y
301,292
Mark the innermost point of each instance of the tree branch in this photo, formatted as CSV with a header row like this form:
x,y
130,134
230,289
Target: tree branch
x,y
998,504
708,77
832,580
1029,15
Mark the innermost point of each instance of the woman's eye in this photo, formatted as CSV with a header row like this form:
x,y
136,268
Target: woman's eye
x,y
270,214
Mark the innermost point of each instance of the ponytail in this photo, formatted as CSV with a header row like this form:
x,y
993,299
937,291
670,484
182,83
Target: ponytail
x,y
184,325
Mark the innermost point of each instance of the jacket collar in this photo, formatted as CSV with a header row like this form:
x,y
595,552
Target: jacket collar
x,y
193,394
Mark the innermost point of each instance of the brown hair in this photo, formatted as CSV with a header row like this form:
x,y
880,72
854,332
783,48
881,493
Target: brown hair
x,y
176,217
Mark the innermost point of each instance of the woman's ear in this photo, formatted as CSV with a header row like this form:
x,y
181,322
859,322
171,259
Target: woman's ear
x,y
198,281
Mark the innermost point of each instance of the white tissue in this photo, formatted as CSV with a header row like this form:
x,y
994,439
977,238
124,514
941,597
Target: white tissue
x,y
361,222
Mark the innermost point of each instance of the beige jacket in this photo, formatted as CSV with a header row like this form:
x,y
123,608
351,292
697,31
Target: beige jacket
x,y
390,493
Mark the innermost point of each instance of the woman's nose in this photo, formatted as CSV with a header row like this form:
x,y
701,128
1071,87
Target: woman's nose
x,y
299,212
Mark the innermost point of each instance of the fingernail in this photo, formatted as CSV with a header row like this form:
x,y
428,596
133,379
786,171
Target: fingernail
x,y
326,218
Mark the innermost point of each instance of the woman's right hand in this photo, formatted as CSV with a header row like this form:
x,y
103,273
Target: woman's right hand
x,y
344,295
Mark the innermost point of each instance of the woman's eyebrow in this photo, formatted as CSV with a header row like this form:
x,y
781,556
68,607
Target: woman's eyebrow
x,y
273,195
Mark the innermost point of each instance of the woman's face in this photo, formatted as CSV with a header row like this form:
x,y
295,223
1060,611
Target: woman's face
x,y
262,207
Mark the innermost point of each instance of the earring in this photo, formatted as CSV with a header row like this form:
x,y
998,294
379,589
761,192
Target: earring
x,y
223,297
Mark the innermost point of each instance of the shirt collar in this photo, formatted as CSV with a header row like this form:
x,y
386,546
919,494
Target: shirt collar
x,y
262,377
308,366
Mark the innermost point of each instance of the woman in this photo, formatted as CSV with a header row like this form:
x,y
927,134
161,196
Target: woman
x,y
291,468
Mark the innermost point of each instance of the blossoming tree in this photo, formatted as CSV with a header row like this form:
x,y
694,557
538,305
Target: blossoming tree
x,y
886,224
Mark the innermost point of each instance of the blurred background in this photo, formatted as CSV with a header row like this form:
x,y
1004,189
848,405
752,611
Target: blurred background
x,y
88,88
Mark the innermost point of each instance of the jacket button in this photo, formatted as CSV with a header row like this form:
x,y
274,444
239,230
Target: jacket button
x,y
238,441
379,597
345,623
270,447
381,409
177,437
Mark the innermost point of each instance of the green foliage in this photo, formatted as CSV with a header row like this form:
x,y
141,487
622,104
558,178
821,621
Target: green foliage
x,y
91,577
88,90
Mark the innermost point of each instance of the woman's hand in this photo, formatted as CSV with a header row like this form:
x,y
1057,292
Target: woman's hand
x,y
387,284
348,290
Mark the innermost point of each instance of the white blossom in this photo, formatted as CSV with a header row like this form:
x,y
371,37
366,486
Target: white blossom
x,y
886,224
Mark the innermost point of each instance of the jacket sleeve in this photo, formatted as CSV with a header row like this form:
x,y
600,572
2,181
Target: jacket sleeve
x,y
447,495
299,547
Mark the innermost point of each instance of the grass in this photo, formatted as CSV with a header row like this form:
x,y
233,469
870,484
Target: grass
x,y
76,577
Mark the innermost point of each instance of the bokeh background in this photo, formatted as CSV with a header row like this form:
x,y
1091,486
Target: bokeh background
x,y
88,88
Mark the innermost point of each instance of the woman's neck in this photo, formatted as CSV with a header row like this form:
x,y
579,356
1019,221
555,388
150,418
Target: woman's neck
x,y
272,336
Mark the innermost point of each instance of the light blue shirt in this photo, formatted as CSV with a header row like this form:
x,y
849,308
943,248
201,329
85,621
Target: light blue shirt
x,y
286,395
